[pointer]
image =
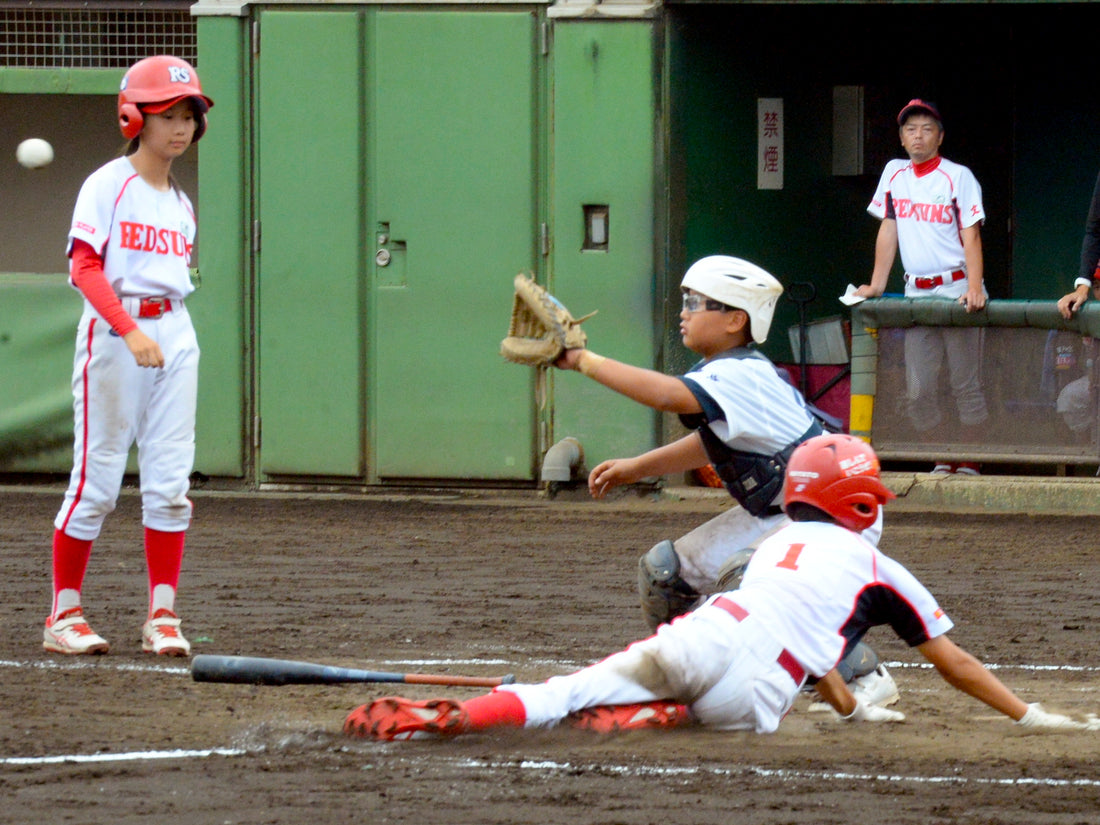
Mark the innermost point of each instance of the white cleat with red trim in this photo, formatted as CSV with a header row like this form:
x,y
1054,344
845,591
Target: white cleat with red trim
x,y
161,635
69,633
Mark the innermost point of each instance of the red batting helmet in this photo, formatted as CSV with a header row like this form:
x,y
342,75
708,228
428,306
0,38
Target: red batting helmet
x,y
156,84
838,474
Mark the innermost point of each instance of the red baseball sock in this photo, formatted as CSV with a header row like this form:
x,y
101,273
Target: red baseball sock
x,y
501,708
70,562
164,557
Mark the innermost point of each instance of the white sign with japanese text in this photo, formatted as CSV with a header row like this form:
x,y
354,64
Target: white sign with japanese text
x,y
769,143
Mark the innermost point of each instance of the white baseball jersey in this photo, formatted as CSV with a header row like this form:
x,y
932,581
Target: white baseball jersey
x,y
931,209
820,586
751,408
143,235
809,589
748,405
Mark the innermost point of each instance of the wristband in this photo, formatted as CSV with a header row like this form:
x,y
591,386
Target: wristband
x,y
589,363
1083,282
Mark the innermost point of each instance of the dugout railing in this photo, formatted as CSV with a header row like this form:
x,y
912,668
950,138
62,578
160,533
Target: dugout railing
x,y
1038,372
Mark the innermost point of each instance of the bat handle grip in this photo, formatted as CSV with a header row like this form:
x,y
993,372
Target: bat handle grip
x,y
459,681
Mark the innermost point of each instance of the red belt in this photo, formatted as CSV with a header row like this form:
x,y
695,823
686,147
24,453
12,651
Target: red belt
x,y
933,281
786,660
154,307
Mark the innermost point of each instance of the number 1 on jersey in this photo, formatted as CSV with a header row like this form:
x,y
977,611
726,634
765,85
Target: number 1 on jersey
x,y
790,561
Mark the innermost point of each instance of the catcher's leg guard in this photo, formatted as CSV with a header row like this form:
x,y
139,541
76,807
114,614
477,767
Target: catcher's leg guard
x,y
733,570
663,593
861,661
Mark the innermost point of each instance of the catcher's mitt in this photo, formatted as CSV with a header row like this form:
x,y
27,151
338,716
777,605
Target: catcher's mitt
x,y
542,328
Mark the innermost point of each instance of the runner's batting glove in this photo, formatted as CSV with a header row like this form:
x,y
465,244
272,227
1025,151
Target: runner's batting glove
x,y
1036,719
872,713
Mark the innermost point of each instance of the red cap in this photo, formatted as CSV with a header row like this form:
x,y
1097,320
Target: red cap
x,y
918,105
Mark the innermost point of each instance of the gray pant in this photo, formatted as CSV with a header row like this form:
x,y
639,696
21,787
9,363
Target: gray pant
x,y
926,349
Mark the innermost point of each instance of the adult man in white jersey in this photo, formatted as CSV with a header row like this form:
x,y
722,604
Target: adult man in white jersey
x,y
931,211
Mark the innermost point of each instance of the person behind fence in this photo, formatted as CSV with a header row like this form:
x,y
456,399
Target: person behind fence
x,y
1077,402
930,209
1088,274
1069,360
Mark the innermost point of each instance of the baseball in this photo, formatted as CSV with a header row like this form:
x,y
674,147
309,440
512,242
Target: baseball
x,y
34,153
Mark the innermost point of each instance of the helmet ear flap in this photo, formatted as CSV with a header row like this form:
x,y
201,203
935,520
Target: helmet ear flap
x,y
859,510
130,120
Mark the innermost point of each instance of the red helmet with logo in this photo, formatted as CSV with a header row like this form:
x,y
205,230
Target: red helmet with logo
x,y
154,85
838,474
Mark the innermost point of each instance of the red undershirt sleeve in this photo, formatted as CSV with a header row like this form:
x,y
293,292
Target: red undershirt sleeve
x,y
88,276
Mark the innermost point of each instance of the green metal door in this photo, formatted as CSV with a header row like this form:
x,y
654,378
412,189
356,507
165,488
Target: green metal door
x,y
451,131
309,235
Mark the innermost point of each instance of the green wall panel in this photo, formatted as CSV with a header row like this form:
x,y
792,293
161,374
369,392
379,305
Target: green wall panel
x,y
19,80
453,177
38,318
604,152
218,306
309,269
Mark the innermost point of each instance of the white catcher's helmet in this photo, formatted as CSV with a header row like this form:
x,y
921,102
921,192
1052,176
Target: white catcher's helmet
x,y
737,283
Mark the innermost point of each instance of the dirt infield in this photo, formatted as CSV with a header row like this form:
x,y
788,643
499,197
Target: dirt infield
x,y
489,584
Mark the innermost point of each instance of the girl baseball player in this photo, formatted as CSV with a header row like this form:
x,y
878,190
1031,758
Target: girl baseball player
x,y
738,662
136,367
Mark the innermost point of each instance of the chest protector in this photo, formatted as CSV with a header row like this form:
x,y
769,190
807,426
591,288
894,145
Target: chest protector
x,y
753,479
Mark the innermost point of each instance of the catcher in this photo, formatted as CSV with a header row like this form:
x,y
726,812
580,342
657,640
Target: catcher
x,y
745,418
737,662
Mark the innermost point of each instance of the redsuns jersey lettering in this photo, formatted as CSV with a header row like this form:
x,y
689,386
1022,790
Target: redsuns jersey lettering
x,y
928,212
147,238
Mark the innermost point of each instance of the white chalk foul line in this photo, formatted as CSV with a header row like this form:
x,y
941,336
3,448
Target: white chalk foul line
x,y
550,767
993,666
771,773
136,756
93,663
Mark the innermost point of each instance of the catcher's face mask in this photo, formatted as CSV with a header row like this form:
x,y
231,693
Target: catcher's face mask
x,y
694,302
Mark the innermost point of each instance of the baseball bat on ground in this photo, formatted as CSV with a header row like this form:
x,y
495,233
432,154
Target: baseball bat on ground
x,y
257,670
